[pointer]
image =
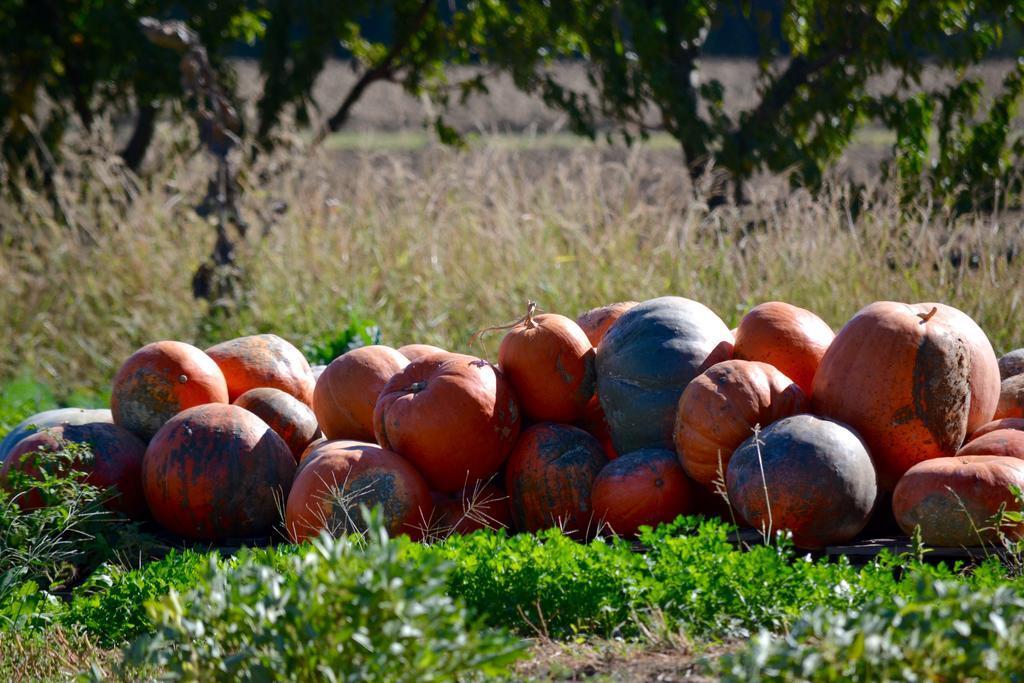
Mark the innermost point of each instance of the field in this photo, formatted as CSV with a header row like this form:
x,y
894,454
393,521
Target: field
x,y
381,230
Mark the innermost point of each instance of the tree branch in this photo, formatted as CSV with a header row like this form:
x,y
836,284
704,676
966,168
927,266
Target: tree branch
x,y
382,71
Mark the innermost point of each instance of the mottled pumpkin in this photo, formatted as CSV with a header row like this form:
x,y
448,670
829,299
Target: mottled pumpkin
x,y
646,359
954,499
596,321
1005,442
645,487
1011,398
1011,364
347,392
215,472
482,506
264,360
912,379
720,408
51,418
814,476
159,381
340,476
454,417
292,419
549,477
116,463
1005,423
550,363
791,338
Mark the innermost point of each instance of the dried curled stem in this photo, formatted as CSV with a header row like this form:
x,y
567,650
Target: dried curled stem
x,y
531,310
925,317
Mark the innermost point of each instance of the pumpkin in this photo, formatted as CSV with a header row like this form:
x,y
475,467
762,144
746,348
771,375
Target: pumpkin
x,y
720,408
912,379
1011,398
1005,423
791,338
645,487
292,419
216,471
454,417
264,360
1005,442
646,359
1011,364
159,381
416,351
481,506
51,418
550,364
549,477
340,476
116,463
595,423
596,321
348,390
818,481
313,445
953,500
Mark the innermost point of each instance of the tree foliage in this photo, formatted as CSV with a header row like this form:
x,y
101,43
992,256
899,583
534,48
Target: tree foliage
x,y
817,63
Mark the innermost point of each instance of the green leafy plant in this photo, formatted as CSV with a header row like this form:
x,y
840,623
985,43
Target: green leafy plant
x,y
358,332
941,630
345,610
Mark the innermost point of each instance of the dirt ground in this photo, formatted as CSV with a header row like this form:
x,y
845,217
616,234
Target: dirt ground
x,y
610,660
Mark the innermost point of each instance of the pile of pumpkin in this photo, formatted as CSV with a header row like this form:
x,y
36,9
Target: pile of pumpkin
x,y
630,415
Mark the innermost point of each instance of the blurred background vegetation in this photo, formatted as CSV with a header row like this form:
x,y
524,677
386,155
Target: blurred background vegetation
x,y
421,167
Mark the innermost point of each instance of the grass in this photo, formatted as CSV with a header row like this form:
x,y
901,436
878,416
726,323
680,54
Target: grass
x,y
436,244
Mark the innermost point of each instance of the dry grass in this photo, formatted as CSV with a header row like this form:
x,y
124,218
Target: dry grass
x,y
435,244
53,655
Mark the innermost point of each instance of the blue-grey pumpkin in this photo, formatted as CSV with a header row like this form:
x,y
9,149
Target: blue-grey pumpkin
x,y
647,358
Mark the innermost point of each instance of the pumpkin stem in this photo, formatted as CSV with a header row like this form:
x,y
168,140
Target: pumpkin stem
x,y
531,309
925,317
417,387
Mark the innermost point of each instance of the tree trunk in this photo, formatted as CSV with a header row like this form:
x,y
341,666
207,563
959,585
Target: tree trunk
x,y
135,151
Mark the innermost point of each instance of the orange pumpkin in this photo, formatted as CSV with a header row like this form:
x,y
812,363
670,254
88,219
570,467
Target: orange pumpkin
x,y
596,321
159,381
550,363
912,379
313,445
348,390
116,463
481,506
216,471
549,477
264,360
417,351
720,408
954,499
1005,423
805,474
342,475
1005,442
1011,364
1011,398
454,417
292,419
791,338
645,487
594,422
